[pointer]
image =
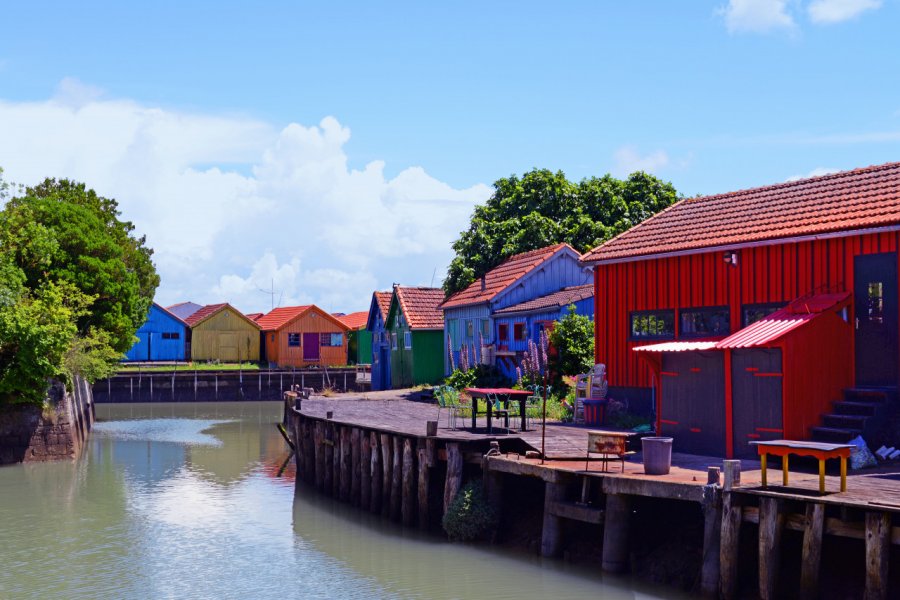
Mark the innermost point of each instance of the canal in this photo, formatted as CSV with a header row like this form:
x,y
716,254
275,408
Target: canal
x,y
197,501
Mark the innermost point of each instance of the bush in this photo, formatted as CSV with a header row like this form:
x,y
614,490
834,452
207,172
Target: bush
x,y
469,516
573,338
477,376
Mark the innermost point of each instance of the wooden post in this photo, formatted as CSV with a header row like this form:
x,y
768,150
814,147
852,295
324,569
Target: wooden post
x,y
454,474
729,544
328,464
309,447
396,477
712,531
878,553
615,533
346,465
320,455
423,483
732,475
375,499
354,467
431,428
551,530
408,497
771,522
812,551
386,468
365,470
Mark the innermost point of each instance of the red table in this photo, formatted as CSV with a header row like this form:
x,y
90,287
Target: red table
x,y
506,393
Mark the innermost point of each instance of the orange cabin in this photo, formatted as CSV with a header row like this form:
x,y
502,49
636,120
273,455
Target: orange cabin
x,y
303,336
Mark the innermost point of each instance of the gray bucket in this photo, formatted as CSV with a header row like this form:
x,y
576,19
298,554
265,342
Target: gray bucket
x,y
657,453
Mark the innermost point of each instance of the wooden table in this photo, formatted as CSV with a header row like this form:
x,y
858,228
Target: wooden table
x,y
507,394
819,450
607,443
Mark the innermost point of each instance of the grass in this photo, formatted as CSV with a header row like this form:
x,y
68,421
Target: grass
x,y
190,367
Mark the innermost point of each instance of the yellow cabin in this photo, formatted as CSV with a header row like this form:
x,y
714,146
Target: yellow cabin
x,y
221,332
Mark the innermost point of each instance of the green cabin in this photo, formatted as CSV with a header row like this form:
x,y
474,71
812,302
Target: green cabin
x,y
359,339
415,327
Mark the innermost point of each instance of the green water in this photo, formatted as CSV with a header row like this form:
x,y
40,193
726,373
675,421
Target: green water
x,y
194,501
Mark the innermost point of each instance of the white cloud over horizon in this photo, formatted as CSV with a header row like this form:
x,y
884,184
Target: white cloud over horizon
x,y
627,160
231,203
817,172
757,16
828,12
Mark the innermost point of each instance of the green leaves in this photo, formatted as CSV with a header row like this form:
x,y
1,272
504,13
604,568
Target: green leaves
x,y
573,338
542,208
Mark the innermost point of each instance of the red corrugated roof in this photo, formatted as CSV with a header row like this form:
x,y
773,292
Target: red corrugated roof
x,y
209,310
563,297
858,199
420,305
355,320
279,317
770,328
384,303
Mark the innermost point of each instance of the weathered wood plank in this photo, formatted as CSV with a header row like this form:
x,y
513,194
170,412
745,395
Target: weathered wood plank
x,y
710,573
396,477
346,475
878,532
328,476
387,463
423,483
377,476
365,470
770,526
408,500
453,481
812,551
616,530
320,455
577,512
355,477
729,545
551,531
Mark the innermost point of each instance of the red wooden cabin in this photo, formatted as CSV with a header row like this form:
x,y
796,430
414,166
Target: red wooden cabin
x,y
703,271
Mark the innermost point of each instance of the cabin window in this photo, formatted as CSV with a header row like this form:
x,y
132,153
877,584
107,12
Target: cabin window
x,y
470,329
331,339
407,340
393,341
485,328
652,325
293,340
502,332
519,332
708,321
171,335
875,302
751,313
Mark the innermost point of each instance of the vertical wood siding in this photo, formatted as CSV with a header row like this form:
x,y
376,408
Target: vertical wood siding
x,y
151,345
312,321
226,337
778,273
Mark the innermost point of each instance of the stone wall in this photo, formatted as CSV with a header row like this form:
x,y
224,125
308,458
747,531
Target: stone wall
x,y
59,431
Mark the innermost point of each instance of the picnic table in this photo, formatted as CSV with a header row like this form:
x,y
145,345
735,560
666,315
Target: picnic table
x,y
506,394
820,450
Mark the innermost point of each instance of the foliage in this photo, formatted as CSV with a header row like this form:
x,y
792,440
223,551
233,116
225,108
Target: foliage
x,y
198,366
460,379
618,416
541,208
92,356
477,376
61,231
533,369
573,339
469,516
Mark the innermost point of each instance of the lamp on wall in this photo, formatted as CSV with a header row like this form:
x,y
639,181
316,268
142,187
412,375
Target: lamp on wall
x,y
731,258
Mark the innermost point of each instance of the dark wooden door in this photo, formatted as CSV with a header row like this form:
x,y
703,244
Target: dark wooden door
x,y
875,298
693,402
310,347
756,380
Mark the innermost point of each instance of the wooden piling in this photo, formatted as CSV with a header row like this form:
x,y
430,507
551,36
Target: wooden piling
x,y
771,523
408,495
729,544
424,480
615,533
355,478
812,551
712,531
551,530
365,470
386,468
376,474
320,455
878,548
328,463
453,481
396,477
346,465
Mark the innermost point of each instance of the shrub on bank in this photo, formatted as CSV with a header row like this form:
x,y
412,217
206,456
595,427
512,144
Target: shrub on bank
x,y
469,516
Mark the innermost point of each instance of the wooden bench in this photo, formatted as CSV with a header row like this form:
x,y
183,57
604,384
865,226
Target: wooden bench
x,y
611,444
818,450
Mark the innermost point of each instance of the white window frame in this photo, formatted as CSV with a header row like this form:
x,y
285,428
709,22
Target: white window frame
x,y
393,341
407,340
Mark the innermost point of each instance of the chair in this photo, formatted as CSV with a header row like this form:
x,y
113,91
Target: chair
x,y
591,385
533,404
498,409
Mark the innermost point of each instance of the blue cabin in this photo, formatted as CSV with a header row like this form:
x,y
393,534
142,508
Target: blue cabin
x,y
161,337
516,325
381,343
469,314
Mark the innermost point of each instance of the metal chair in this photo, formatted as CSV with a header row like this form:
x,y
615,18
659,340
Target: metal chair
x,y
498,409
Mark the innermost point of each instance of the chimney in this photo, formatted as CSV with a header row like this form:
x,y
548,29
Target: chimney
x,y
483,283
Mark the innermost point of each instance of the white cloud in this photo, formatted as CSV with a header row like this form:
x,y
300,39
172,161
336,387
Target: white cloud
x,y
628,160
756,16
817,172
835,11
230,202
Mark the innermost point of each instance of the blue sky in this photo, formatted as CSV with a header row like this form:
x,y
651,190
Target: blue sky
x,y
213,114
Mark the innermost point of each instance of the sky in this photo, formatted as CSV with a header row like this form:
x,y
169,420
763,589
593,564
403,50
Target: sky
x,y
325,150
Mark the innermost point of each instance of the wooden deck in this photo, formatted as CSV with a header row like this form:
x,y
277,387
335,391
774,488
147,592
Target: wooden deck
x,y
392,412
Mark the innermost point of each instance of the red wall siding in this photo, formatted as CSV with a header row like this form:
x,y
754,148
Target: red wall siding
x,y
778,273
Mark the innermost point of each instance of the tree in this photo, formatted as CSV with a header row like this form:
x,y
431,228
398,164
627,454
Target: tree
x,y
542,208
573,338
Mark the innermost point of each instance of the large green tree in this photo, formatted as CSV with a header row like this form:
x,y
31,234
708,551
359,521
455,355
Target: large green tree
x,y
541,208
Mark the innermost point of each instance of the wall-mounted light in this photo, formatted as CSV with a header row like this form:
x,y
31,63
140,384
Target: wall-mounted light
x,y
731,258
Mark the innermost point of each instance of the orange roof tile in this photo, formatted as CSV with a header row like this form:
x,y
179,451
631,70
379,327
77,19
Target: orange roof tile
x,y
208,311
563,297
355,320
281,316
384,303
502,276
420,305
254,316
858,199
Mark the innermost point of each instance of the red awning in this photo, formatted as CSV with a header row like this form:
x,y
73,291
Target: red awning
x,y
676,346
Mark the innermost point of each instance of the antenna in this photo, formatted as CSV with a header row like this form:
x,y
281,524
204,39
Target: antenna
x,y
433,276
272,293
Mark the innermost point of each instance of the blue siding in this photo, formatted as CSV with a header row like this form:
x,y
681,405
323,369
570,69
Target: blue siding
x,y
381,349
455,328
151,344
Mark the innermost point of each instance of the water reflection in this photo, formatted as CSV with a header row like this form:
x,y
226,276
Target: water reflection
x,y
191,501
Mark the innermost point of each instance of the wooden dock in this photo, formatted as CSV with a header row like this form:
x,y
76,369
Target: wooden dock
x,y
374,451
